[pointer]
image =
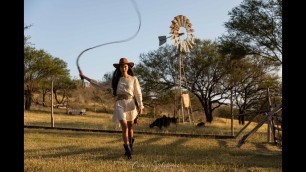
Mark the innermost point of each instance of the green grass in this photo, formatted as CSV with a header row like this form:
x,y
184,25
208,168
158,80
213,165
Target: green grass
x,y
64,150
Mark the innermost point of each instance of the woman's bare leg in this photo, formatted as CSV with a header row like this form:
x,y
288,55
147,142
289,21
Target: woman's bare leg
x,y
124,128
130,131
126,146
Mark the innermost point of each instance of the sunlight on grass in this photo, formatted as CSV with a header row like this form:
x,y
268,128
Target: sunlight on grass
x,y
102,121
58,150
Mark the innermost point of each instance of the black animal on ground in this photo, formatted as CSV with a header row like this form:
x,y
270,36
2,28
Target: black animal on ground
x,y
163,122
201,124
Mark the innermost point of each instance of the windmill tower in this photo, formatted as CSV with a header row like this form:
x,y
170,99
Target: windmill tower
x,y
180,26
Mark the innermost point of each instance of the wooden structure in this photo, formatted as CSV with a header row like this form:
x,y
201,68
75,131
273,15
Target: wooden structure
x,y
273,118
183,45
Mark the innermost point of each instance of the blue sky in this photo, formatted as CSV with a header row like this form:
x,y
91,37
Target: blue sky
x,y
64,28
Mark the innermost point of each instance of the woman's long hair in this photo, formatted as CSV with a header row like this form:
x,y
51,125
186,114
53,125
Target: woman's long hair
x,y
116,77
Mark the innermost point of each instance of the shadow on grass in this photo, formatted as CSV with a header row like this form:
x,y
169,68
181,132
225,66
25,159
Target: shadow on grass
x,y
153,148
65,133
55,111
150,140
175,152
86,153
222,143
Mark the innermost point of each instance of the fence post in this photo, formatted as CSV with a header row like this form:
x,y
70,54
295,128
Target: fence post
x,y
52,118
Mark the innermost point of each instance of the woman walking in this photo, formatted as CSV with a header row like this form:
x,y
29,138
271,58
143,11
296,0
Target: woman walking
x,y
128,102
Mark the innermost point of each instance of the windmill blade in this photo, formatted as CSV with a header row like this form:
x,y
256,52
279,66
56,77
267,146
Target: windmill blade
x,y
172,31
185,22
189,44
176,24
177,46
181,47
189,29
175,39
190,36
178,21
185,46
192,41
172,25
189,25
173,42
182,18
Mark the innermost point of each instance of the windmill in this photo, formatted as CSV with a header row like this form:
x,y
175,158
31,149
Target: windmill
x,y
180,26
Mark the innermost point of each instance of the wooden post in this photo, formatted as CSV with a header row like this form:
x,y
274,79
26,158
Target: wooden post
x,y
67,107
180,87
231,101
269,133
52,118
191,112
154,111
232,115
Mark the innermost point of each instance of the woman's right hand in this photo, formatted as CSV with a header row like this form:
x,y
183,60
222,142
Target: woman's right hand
x,y
82,76
140,110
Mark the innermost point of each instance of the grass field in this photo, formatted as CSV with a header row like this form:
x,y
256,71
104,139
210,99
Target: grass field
x,y
102,121
60,150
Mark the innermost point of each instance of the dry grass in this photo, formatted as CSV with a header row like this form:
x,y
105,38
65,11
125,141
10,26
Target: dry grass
x,y
102,121
58,150
54,150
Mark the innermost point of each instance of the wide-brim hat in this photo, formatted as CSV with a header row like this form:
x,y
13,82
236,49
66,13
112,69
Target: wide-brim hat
x,y
123,61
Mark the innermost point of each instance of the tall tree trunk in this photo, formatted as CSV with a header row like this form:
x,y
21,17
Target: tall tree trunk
x,y
56,96
44,97
208,115
28,100
241,117
208,112
44,100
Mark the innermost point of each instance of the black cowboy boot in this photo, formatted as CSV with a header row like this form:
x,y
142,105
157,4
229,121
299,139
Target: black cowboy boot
x,y
131,145
127,151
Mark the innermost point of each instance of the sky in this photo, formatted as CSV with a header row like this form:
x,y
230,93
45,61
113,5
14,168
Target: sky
x,y
65,28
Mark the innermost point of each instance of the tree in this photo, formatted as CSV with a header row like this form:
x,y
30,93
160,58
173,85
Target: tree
x,y
39,65
62,86
204,72
251,78
254,28
157,73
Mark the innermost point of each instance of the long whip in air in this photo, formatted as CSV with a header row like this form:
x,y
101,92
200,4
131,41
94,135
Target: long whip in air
x,y
125,40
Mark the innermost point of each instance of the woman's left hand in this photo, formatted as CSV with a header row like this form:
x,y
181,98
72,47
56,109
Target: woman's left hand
x,y
140,110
